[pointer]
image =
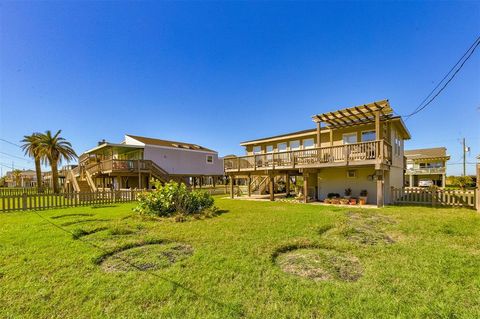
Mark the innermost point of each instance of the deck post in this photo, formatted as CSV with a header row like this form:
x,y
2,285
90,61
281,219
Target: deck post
x,y
231,186
410,180
305,187
380,188
287,185
272,184
477,193
249,185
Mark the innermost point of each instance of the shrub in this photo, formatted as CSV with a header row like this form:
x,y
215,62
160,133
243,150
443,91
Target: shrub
x,y
173,199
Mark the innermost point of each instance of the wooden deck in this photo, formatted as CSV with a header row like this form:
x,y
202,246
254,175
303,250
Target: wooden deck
x,y
114,166
366,153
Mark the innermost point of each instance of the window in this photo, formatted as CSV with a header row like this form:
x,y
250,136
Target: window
x,y
282,147
269,148
257,149
351,173
294,145
308,143
349,138
210,159
368,136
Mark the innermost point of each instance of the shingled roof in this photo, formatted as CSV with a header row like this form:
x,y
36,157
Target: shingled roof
x,y
424,153
174,144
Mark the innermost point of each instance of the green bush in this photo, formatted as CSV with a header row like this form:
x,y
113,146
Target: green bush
x,y
173,199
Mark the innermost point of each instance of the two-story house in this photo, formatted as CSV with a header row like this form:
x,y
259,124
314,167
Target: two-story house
x,y
135,161
426,166
360,148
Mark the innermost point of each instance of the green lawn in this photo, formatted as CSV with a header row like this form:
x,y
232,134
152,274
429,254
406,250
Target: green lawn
x,y
256,260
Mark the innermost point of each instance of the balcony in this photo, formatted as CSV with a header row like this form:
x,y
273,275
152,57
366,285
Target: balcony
x,y
425,171
365,153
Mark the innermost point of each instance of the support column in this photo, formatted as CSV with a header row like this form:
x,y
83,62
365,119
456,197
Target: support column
x,y
410,179
231,186
249,181
380,190
287,184
194,179
305,187
319,134
443,180
272,187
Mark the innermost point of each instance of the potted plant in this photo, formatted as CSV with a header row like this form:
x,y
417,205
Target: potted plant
x,y
353,201
344,201
348,192
363,197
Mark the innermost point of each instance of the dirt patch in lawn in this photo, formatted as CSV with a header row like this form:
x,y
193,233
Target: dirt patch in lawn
x,y
148,256
366,228
320,264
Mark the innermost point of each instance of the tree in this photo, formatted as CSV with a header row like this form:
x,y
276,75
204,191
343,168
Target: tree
x,y
55,149
17,174
31,148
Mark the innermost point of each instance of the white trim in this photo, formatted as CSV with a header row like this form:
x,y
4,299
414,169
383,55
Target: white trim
x,y
206,159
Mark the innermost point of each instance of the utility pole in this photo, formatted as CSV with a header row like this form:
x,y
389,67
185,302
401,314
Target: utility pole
x,y
465,150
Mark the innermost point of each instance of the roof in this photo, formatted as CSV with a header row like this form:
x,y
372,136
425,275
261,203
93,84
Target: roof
x,y
427,153
104,145
355,115
265,139
166,143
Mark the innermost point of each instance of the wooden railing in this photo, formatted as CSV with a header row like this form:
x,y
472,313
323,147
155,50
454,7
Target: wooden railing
x,y
72,199
433,196
115,165
348,154
429,170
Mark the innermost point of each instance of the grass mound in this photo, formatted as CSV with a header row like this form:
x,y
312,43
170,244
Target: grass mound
x,y
81,232
146,257
366,228
320,264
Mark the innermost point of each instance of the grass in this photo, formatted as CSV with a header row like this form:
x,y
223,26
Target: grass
x,y
256,260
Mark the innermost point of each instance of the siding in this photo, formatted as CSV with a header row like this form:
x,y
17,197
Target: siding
x,y
184,162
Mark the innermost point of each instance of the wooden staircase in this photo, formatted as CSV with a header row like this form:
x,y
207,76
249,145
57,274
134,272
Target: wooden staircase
x,y
259,185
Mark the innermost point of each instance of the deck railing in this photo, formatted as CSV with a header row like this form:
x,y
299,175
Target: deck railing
x,y
433,196
347,154
428,170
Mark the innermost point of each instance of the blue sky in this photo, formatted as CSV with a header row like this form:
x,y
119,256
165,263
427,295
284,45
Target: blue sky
x,y
218,73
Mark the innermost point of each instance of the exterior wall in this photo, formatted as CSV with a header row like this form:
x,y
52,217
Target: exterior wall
x,y
334,180
184,162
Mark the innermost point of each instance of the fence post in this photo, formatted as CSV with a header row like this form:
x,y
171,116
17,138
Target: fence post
x,y
75,199
24,201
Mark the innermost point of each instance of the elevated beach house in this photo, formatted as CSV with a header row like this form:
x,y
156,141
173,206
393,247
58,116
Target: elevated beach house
x,y
358,148
136,160
426,167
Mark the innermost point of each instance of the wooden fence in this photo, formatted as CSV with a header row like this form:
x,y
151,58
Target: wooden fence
x,y
12,191
37,201
433,196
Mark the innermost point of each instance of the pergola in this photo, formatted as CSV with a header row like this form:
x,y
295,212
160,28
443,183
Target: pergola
x,y
362,114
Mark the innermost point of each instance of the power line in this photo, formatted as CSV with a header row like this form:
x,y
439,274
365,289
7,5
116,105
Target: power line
x,y
12,143
465,58
14,156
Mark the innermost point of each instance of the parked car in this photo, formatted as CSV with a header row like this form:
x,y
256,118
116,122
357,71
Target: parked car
x,y
425,183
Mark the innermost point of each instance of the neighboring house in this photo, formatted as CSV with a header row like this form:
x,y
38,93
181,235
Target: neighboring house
x,y
135,161
358,147
426,167
21,178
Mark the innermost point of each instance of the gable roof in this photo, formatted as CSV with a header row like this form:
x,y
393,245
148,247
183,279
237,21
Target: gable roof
x,y
424,153
172,144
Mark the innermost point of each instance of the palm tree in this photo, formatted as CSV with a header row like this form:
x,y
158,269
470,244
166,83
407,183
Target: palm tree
x,y
55,149
31,148
17,174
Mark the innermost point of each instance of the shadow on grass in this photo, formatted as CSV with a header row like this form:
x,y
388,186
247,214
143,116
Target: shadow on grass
x,y
72,215
85,221
78,233
103,206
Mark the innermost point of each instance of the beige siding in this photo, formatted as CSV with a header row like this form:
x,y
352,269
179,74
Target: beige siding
x,y
334,180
